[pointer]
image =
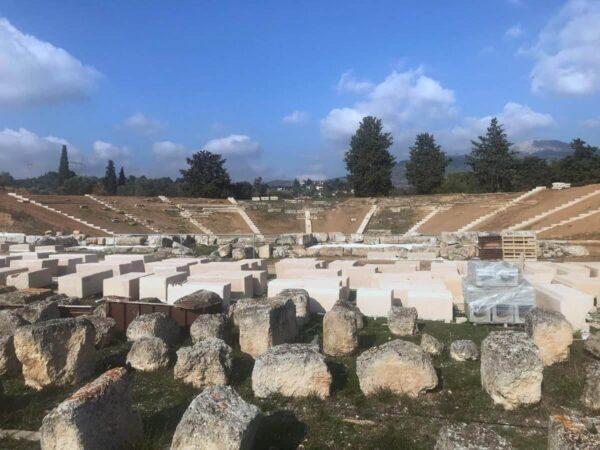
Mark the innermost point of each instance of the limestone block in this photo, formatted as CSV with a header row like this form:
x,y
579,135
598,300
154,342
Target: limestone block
x,y
55,352
206,363
149,354
360,276
591,391
17,248
117,268
301,301
573,433
201,302
82,285
324,293
552,334
374,302
5,272
66,264
573,304
209,326
340,330
431,345
399,366
464,350
157,285
219,419
127,285
105,328
37,264
584,284
433,303
97,416
470,436
402,321
264,323
160,267
291,370
179,291
220,266
242,284
264,251
156,324
511,369
399,267
31,279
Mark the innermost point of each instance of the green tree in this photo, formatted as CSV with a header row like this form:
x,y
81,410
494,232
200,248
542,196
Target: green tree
x,y
459,182
296,187
6,179
493,159
122,178
368,161
427,165
110,179
532,171
583,166
64,173
259,188
206,175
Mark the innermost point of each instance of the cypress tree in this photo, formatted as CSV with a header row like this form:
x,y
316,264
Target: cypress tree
x,y
427,166
122,177
64,172
110,178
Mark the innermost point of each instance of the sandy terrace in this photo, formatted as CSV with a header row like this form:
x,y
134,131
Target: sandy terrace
x,y
579,208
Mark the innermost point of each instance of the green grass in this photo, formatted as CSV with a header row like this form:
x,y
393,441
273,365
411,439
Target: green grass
x,y
398,422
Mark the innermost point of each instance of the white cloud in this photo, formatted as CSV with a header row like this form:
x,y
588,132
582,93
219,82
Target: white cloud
x,y
403,100
234,145
23,153
514,32
139,123
348,83
103,151
592,123
518,121
567,60
167,149
295,117
34,72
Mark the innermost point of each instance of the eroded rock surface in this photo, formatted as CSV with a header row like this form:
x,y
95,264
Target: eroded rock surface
x,y
149,354
552,334
301,300
209,326
591,391
464,350
154,325
207,363
573,433
402,321
470,437
340,330
431,345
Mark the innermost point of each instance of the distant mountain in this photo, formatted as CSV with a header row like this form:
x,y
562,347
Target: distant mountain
x,y
280,183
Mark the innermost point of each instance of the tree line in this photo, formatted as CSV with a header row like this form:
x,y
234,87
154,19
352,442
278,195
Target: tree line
x,y
495,164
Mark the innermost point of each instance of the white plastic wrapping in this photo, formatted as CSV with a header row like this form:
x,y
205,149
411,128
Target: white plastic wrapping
x,y
482,299
493,274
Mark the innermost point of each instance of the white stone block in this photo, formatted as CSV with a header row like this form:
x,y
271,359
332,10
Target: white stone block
x,y
157,285
32,279
242,284
5,272
83,285
20,248
374,302
49,248
116,268
127,285
432,303
323,292
573,304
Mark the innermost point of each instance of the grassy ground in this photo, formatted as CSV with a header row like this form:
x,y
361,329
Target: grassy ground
x,y
397,222
386,421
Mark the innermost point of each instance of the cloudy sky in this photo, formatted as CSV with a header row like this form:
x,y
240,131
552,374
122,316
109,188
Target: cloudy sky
x,y
278,86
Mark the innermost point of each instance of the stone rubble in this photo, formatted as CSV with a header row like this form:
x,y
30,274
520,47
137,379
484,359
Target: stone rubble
x,y
552,334
207,363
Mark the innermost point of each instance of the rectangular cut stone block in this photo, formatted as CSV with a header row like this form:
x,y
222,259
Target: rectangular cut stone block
x,y
374,302
573,304
177,291
584,284
87,257
323,293
83,285
422,256
383,255
573,269
399,267
226,265
431,303
255,263
127,285
49,248
309,273
37,264
162,267
360,276
594,268
157,285
242,284
297,263
129,258
5,272
342,264
32,255
66,264
31,279
116,268
20,248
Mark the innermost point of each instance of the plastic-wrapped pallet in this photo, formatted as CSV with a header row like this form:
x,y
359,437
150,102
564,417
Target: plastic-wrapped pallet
x,y
489,301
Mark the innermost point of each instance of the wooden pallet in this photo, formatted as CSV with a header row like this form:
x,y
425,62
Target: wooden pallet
x,y
517,245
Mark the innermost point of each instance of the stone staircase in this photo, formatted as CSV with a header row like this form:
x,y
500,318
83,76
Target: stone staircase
x,y
569,220
248,221
365,222
414,229
23,199
126,214
307,222
513,202
164,199
549,212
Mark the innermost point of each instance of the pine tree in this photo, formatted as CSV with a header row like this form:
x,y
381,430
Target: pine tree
x,y
64,173
368,161
427,166
206,175
110,178
122,178
493,160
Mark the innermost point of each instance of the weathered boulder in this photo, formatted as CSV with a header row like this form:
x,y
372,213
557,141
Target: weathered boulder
x,y
56,352
224,251
463,436
264,323
573,433
464,350
202,302
209,325
10,321
511,369
291,370
340,330
96,417
402,321
431,345
154,325
40,311
552,334
105,327
218,418
591,391
238,253
9,364
207,363
400,366
301,300
148,354
592,344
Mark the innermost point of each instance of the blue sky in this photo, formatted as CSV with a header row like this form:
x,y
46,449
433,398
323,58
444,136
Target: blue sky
x,y
278,87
